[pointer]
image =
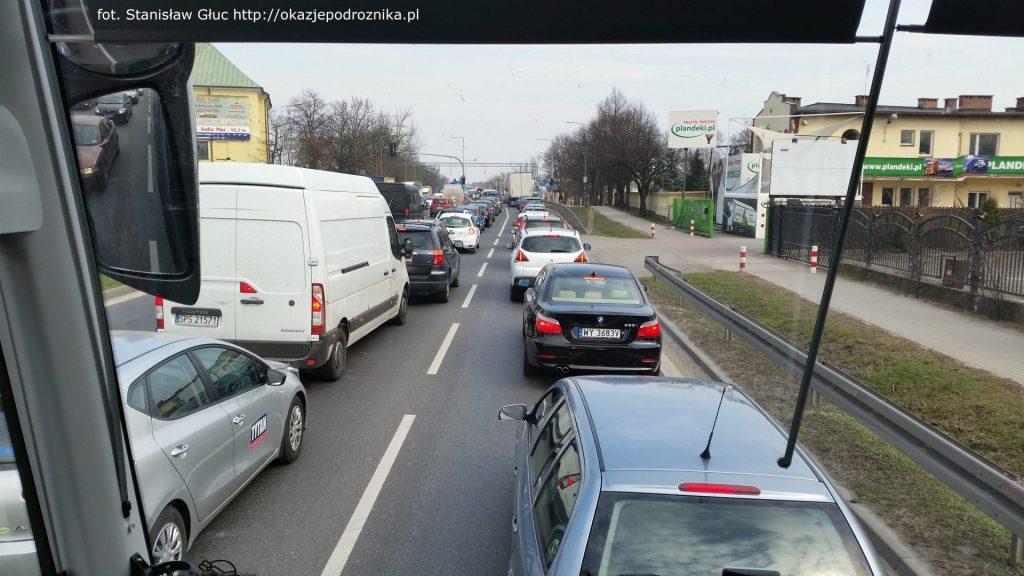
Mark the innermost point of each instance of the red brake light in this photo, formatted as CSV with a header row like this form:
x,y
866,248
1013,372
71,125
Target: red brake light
x,y
317,320
246,288
706,488
545,325
581,258
438,258
159,303
650,329
521,257
472,231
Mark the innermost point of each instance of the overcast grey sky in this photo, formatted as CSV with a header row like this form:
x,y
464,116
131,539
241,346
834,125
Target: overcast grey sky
x,y
503,98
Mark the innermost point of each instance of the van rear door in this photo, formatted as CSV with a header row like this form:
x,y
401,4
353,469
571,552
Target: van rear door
x,y
271,254
213,314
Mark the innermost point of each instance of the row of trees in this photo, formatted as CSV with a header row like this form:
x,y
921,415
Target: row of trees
x,y
350,136
621,147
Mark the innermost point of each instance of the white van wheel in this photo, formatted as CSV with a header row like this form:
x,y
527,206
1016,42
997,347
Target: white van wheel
x,y
335,365
403,310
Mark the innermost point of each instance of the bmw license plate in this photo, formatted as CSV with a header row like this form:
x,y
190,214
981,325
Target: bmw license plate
x,y
200,320
602,333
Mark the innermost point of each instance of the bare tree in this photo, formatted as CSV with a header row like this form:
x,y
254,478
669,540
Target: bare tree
x,y
307,118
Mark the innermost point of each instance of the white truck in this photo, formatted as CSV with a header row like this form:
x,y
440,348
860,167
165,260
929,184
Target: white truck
x,y
520,184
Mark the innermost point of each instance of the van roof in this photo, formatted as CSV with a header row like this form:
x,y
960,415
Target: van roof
x,y
283,177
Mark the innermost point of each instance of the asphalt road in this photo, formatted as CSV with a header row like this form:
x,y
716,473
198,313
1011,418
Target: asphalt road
x,y
445,505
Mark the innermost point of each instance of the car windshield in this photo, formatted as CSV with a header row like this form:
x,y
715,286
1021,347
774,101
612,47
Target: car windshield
x,y
86,134
550,243
594,290
112,99
421,239
689,536
456,222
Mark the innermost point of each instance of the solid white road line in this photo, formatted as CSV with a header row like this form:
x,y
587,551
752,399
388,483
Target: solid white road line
x,y
436,364
481,272
669,368
125,298
469,297
336,563
490,253
149,168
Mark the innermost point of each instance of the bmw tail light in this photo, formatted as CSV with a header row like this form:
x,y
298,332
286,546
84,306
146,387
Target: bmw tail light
x,y
650,329
438,258
317,310
581,258
159,303
521,257
545,325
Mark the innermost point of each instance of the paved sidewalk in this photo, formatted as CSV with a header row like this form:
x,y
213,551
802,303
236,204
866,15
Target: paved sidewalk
x,y
987,344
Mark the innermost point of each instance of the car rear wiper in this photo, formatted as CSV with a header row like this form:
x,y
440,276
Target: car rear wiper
x,y
749,572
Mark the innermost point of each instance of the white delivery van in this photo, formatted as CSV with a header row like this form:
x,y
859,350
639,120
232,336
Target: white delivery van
x,y
296,264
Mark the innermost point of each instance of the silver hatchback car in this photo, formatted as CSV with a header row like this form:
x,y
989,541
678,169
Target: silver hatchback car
x,y
203,418
612,479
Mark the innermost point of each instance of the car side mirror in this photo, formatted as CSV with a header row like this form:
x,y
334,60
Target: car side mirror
x,y
586,247
512,412
275,377
407,247
509,245
644,286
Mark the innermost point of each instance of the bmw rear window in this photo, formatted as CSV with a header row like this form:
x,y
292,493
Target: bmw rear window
x,y
552,243
700,536
594,290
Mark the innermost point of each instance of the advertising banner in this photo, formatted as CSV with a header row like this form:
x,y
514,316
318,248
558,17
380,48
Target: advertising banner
x,y
222,117
971,164
693,129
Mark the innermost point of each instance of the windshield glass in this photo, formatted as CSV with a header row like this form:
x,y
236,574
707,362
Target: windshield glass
x,y
594,290
684,536
112,99
550,243
86,134
420,238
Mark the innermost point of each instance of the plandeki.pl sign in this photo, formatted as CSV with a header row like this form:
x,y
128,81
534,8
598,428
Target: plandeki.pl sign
x,y
940,167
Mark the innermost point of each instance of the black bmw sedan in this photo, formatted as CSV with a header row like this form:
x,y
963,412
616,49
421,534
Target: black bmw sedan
x,y
589,318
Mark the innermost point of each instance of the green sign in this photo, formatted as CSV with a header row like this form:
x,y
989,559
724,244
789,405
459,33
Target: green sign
x,y
940,167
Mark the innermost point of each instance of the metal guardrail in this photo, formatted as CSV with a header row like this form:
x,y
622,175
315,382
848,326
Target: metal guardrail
x,y
569,215
983,483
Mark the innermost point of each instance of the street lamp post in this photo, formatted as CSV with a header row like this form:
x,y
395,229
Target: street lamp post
x,y
586,185
463,139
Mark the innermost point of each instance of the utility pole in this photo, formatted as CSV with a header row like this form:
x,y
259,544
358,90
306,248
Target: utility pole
x,y
463,160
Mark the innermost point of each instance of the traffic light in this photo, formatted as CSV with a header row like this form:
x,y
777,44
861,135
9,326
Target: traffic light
x,y
462,180
392,149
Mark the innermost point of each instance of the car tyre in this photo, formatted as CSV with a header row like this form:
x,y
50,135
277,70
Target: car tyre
x,y
335,365
514,294
472,250
455,282
528,369
167,537
294,428
403,310
443,295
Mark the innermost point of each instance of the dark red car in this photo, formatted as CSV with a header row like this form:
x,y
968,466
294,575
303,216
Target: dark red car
x,y
96,145
440,204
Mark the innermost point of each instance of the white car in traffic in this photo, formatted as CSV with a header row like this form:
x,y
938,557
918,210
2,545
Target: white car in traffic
x,y
538,248
463,233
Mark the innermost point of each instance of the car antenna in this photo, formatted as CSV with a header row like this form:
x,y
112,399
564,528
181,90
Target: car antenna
x,y
706,454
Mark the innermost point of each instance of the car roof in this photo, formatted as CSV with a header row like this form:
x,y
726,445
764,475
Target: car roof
x,y
86,119
129,344
527,232
284,177
662,424
588,268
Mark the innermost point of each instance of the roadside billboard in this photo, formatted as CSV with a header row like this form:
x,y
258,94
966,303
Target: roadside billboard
x,y
222,117
740,206
804,167
693,129
970,164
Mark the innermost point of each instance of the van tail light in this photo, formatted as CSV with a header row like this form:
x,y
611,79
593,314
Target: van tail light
x,y
650,329
706,488
317,310
472,231
246,288
521,257
545,325
158,302
438,258
581,258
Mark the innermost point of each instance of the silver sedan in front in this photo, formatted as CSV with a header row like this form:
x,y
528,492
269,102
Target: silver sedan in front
x,y
203,417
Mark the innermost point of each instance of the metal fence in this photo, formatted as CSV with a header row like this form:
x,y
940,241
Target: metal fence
x,y
960,251
699,211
